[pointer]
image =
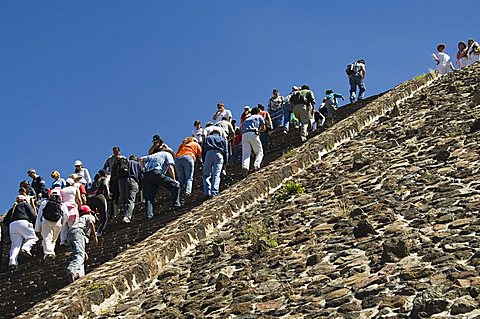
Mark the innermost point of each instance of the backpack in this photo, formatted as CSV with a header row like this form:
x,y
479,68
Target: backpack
x,y
297,98
98,187
8,217
53,209
353,68
121,167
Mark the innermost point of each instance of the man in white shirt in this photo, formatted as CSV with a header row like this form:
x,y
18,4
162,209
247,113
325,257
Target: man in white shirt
x,y
444,65
221,113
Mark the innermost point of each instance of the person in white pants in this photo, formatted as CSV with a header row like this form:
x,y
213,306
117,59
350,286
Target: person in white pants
x,y
251,128
444,65
21,218
50,230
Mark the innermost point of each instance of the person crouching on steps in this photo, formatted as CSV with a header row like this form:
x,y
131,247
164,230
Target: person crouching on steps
x,y
20,220
78,235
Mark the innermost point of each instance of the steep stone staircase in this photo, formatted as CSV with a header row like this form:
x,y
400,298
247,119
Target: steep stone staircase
x,y
36,280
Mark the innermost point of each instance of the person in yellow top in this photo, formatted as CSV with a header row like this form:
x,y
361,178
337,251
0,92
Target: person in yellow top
x,y
185,158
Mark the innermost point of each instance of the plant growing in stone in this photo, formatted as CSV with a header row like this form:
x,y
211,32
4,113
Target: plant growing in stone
x,y
289,189
258,234
95,286
289,153
342,208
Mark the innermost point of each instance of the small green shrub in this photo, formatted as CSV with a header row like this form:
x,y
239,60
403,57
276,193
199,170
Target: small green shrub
x,y
289,154
258,231
289,189
94,286
421,76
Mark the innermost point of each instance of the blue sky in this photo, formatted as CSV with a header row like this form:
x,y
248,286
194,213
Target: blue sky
x,y
77,78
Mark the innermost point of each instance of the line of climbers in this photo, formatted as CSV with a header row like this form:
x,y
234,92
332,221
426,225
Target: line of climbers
x,y
466,55
78,208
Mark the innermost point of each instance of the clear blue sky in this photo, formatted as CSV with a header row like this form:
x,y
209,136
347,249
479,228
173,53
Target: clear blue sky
x,y
77,78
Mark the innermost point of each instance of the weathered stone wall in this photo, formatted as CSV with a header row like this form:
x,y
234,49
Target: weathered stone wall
x,y
387,227
107,285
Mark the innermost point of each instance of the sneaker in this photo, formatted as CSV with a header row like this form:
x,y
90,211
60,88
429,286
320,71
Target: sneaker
x,y
352,100
71,276
126,220
303,138
13,267
26,253
49,257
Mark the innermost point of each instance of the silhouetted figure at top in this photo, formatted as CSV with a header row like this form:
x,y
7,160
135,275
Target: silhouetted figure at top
x,y
356,75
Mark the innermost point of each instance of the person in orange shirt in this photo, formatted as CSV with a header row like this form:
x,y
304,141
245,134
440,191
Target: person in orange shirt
x,y
185,158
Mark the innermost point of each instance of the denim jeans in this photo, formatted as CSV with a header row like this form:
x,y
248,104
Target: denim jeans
x,y
287,112
264,139
237,153
356,80
329,108
277,118
184,165
128,192
151,182
76,239
211,172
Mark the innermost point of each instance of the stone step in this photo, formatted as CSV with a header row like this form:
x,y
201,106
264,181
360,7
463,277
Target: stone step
x,y
36,279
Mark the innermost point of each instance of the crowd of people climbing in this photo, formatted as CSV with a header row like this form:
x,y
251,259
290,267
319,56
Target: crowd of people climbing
x,y
74,210
71,211
467,54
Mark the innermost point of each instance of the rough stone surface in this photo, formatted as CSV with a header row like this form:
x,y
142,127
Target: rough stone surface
x,y
415,264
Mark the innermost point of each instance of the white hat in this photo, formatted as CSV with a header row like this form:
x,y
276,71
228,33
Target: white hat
x,y
21,197
70,181
77,163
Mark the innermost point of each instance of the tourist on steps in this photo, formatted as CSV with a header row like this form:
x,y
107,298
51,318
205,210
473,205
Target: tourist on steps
x,y
52,214
303,108
214,155
275,108
20,220
356,76
251,130
444,65
78,236
188,152
130,186
160,171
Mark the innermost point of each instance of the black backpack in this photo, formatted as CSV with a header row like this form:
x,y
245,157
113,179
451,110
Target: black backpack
x,y
353,68
297,98
98,188
53,209
121,167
